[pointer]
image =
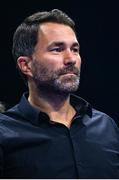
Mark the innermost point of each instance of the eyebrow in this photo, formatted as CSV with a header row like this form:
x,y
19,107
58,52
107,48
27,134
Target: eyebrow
x,y
61,43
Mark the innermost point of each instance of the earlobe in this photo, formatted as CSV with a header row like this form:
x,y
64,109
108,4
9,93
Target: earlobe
x,y
23,63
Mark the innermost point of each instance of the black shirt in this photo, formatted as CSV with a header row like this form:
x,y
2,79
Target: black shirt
x,y
31,146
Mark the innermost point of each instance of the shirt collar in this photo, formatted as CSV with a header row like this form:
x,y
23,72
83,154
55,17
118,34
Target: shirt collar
x,y
30,113
81,106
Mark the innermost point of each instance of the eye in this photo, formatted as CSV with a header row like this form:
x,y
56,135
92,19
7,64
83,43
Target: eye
x,y
57,49
75,50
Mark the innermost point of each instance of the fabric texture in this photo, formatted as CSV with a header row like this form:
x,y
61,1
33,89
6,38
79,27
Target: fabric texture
x,y
32,146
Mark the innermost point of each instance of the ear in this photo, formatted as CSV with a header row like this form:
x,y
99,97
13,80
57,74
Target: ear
x,y
23,63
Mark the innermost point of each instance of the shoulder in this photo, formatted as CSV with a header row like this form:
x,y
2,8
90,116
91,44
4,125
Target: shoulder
x,y
8,114
104,122
9,119
101,127
102,117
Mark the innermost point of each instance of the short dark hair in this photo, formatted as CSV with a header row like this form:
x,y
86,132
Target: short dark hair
x,y
25,36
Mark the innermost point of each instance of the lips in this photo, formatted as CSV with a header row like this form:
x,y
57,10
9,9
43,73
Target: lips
x,y
68,71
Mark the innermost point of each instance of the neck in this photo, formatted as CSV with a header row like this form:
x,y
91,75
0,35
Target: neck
x,y
56,105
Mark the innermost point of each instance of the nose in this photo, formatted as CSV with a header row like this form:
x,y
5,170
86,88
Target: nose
x,y
69,57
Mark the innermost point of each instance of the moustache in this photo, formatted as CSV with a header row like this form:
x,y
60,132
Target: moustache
x,y
69,69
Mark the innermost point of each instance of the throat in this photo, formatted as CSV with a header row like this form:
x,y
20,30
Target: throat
x,y
64,117
56,106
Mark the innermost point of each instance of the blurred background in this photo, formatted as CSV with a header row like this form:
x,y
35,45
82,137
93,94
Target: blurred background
x,y
97,24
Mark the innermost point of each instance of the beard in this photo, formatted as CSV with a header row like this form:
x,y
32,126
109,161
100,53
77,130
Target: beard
x,y
64,80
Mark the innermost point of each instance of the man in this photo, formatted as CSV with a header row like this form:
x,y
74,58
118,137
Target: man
x,y
52,133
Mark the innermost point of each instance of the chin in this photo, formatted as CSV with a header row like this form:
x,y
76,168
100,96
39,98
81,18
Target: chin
x,y
67,85
68,89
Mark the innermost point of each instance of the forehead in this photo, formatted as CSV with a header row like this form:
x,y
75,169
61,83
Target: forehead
x,y
55,31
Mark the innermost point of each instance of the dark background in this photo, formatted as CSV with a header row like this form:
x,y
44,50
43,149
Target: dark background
x,y
97,23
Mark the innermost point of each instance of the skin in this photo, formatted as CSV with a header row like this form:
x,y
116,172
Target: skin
x,y
57,48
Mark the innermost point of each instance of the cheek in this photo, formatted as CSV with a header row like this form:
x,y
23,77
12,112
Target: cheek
x,y
52,62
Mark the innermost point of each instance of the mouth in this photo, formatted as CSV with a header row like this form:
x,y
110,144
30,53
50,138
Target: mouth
x,y
69,73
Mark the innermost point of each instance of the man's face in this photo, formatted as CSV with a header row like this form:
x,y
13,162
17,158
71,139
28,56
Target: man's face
x,y
56,60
